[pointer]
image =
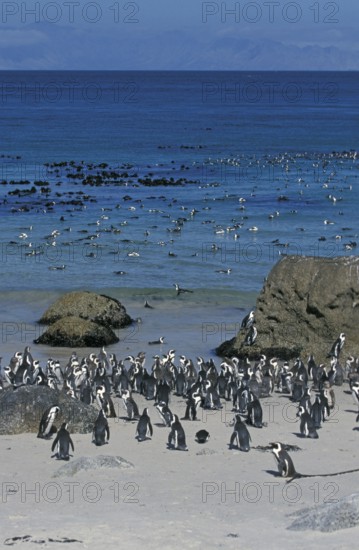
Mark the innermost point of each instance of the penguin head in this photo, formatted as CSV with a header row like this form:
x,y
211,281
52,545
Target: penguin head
x,y
276,447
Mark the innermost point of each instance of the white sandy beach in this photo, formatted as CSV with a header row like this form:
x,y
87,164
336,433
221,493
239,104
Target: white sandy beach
x,y
209,497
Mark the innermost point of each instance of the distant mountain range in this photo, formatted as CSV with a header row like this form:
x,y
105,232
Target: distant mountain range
x,y
46,46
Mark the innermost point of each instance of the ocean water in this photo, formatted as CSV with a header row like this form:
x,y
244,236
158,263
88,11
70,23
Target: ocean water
x,y
246,166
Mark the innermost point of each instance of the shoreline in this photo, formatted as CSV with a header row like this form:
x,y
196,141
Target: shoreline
x,y
193,326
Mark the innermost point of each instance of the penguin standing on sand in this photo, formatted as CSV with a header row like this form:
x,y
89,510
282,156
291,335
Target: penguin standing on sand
x,y
317,413
101,430
144,427
284,462
240,434
307,426
255,413
177,437
286,466
46,427
165,413
62,443
193,402
130,405
105,402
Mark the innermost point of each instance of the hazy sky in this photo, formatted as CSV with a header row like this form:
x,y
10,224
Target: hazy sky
x,y
179,34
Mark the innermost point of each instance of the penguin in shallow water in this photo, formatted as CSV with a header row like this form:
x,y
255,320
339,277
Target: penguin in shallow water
x,y
241,435
101,430
144,427
62,443
46,427
177,437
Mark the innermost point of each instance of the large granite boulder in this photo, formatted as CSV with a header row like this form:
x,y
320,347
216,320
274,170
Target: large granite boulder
x,y
76,332
306,302
21,410
101,309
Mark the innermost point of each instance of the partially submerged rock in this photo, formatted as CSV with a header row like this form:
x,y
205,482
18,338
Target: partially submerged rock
x,y
98,308
21,410
306,302
75,332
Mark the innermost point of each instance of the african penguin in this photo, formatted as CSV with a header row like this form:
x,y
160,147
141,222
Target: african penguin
x,y
101,430
144,427
177,437
46,427
240,435
62,443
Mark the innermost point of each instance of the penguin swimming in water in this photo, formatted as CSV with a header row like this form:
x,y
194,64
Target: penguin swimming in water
x,y
101,430
46,427
177,437
144,427
240,434
160,341
62,443
180,290
202,436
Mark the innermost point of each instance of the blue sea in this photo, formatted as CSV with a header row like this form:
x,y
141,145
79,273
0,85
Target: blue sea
x,y
129,182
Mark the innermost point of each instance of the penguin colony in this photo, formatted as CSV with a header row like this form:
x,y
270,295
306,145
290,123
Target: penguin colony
x,y
97,378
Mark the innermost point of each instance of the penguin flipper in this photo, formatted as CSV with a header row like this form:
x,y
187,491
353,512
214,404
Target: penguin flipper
x,y
54,443
233,437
